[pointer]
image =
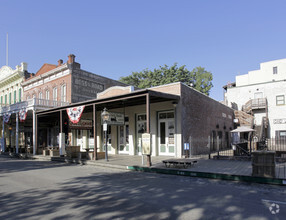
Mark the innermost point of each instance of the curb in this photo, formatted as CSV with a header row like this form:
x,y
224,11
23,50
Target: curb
x,y
221,176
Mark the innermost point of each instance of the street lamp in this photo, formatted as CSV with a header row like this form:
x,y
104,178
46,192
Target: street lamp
x,y
105,118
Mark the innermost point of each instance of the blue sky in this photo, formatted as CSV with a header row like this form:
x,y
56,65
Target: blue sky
x,y
117,37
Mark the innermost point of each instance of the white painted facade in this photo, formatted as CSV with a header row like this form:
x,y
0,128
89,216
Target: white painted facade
x,y
268,82
11,90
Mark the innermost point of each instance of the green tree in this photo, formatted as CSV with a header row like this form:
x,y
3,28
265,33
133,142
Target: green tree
x,y
198,78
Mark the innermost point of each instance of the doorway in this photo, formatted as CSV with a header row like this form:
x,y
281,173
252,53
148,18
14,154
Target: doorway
x,y
123,131
166,133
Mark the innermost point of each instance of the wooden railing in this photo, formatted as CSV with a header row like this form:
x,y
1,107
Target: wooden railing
x,y
260,103
31,103
244,118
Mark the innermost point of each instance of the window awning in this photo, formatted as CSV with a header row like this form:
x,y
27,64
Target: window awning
x,y
242,129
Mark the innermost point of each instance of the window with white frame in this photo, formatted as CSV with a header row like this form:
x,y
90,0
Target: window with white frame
x,y
280,100
40,95
40,98
47,94
63,93
55,94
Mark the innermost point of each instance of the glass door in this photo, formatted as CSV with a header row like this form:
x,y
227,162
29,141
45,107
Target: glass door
x,y
123,131
166,135
79,141
140,129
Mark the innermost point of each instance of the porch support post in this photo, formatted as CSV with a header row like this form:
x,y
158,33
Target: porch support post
x,y
149,163
35,129
3,137
94,133
61,136
17,132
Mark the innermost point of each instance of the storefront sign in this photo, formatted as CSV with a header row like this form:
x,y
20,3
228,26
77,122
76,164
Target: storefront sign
x,y
146,143
115,119
279,121
23,114
75,113
81,125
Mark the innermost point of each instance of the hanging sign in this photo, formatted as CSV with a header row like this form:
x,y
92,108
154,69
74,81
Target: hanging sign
x,y
75,113
6,117
115,119
23,114
81,125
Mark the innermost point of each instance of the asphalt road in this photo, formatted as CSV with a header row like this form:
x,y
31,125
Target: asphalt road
x,y
49,190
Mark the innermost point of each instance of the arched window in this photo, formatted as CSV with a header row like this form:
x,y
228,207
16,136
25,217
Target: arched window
x,y
55,94
63,93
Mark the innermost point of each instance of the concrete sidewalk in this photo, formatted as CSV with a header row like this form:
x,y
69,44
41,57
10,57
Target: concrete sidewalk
x,y
210,168
231,167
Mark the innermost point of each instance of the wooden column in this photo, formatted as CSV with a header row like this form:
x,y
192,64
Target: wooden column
x,y
149,163
35,129
17,132
94,133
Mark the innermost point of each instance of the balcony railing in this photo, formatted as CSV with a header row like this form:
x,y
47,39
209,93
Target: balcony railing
x,y
45,103
252,104
41,103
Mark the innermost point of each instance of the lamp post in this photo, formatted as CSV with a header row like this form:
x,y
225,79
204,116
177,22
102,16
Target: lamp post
x,y
105,118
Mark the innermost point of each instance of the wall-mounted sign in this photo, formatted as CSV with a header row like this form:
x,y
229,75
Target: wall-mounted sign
x,y
115,119
279,121
81,125
146,143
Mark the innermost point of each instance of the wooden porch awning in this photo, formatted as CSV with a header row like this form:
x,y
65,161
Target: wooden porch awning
x,y
131,99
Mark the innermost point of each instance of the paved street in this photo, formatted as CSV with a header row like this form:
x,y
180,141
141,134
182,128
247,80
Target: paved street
x,y
48,190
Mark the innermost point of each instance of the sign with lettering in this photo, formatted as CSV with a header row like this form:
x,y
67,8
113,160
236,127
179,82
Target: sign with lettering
x,y
146,143
81,125
115,119
279,121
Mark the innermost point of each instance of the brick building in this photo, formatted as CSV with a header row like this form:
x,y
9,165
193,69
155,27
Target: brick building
x,y
52,86
173,114
65,82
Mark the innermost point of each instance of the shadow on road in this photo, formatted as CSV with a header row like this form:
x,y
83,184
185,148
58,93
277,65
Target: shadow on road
x,y
130,195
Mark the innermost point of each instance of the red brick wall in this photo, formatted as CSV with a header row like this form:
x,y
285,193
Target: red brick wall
x,y
50,86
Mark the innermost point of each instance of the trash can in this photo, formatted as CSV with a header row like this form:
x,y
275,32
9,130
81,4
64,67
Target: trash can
x,y
263,164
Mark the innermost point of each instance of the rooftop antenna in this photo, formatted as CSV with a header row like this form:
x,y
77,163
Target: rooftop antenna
x,y
7,50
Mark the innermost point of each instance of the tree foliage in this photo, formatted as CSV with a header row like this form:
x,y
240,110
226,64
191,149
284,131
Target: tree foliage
x,y
198,78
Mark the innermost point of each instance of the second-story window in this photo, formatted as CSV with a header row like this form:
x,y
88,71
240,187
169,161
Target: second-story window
x,y
20,95
280,100
40,95
10,98
15,96
63,93
55,94
275,70
6,99
47,94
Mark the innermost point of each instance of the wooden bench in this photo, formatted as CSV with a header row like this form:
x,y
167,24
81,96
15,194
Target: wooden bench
x,y
179,162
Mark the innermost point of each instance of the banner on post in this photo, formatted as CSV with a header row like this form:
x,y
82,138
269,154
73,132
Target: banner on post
x,y
75,113
23,114
6,117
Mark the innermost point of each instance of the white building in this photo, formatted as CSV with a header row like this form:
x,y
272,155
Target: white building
x,y
261,93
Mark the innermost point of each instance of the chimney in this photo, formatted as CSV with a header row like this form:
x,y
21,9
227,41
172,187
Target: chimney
x,y
60,62
71,58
